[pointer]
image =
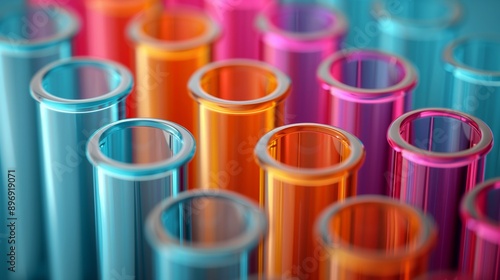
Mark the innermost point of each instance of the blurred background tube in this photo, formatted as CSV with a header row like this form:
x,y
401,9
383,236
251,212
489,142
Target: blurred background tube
x,y
419,31
238,102
75,6
106,34
304,168
194,3
171,43
438,155
365,91
70,110
30,38
137,163
239,36
374,238
473,84
205,235
445,275
296,38
481,215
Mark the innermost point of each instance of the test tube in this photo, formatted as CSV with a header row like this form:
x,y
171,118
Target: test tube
x,y
131,176
69,111
26,45
473,84
438,155
194,3
480,212
419,30
374,238
304,168
106,34
75,6
239,37
238,102
296,38
365,91
205,235
171,43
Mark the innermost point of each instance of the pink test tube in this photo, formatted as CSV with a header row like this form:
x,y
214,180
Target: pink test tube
x,y
193,3
438,155
480,252
240,38
77,7
296,38
365,91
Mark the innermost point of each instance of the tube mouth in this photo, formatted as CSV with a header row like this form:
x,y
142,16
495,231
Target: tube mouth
x,y
81,84
367,76
322,154
411,18
474,58
442,138
175,28
375,234
140,149
239,86
119,7
480,210
301,23
36,26
205,227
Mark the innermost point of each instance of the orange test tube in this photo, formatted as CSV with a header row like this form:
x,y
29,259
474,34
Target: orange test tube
x,y
374,238
170,45
238,100
305,168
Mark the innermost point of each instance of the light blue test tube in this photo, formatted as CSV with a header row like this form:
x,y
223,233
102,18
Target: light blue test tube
x,y
473,85
75,97
30,38
137,164
206,235
419,30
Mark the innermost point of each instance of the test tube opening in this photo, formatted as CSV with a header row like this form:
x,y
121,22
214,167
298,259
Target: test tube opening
x,y
140,143
81,80
440,132
36,24
313,147
479,54
376,227
481,206
239,82
368,70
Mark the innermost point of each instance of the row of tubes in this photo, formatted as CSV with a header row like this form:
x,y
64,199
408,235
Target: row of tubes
x,y
313,163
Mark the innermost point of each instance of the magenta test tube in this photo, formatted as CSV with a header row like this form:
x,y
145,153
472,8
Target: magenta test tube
x,y
76,6
438,155
296,38
364,92
480,253
239,38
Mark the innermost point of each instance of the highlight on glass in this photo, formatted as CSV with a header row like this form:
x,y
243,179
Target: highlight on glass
x,y
473,84
438,155
24,49
304,168
70,110
365,91
238,102
239,37
296,38
374,237
480,213
205,234
137,163
419,31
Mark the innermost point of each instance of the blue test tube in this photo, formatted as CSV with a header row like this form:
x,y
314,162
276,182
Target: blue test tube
x,y
75,97
30,38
